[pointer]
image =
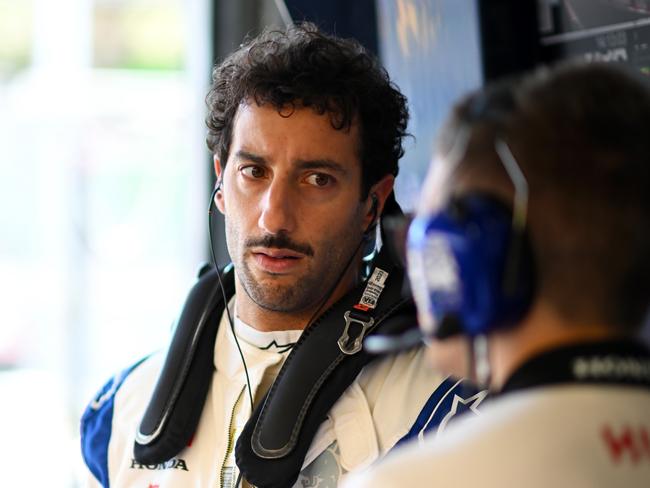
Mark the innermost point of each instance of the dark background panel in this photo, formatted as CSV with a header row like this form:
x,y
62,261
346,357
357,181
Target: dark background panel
x,y
344,18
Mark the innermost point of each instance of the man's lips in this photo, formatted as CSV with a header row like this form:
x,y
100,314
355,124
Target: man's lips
x,y
276,261
277,253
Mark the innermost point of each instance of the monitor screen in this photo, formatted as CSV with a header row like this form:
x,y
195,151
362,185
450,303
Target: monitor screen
x,y
615,31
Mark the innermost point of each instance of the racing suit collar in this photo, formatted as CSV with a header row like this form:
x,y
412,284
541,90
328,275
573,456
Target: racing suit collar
x,y
612,362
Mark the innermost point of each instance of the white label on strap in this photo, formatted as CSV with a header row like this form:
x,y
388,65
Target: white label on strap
x,y
374,287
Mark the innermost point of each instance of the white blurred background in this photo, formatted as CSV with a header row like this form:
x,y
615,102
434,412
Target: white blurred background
x,y
103,188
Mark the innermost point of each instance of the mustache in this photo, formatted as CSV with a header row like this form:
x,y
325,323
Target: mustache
x,y
280,241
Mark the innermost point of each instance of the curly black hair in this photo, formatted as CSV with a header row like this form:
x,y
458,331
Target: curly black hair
x,y
303,66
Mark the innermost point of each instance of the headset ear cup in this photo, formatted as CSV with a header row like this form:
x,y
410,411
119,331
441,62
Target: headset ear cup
x,y
464,253
502,271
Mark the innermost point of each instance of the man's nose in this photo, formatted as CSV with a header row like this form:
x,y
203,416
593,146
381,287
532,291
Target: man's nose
x,y
278,209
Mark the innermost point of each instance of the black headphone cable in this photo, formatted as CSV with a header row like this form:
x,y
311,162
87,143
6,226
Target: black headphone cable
x,y
223,292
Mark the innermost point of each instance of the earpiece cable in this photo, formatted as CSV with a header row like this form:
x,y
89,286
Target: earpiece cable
x,y
223,292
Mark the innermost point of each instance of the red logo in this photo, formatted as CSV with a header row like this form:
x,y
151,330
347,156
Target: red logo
x,y
632,443
153,486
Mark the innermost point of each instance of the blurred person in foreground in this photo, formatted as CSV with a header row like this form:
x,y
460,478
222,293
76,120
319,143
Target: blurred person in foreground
x,y
306,131
536,214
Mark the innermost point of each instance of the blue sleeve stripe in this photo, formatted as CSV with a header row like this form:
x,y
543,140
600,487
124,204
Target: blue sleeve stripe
x,y
96,426
451,397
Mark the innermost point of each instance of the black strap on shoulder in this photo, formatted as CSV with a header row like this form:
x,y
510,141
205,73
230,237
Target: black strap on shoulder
x,y
324,362
177,402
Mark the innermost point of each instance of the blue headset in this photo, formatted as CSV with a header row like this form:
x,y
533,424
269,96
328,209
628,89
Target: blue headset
x,y
470,264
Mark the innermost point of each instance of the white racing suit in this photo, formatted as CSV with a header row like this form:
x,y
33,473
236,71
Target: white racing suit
x,y
392,400
575,417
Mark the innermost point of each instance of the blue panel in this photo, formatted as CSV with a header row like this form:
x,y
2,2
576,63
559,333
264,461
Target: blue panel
x,y
96,427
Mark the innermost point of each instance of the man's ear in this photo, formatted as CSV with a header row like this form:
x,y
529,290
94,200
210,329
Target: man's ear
x,y
218,196
377,197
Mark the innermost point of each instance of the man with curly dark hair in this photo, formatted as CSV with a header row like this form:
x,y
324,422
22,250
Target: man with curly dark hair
x,y
335,104
306,131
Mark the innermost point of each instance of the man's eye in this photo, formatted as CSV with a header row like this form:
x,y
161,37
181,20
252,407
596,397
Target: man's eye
x,y
319,179
253,171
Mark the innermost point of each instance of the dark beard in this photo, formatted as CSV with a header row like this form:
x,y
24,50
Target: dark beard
x,y
306,292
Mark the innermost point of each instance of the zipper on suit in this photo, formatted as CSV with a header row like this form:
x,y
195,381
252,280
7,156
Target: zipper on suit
x,y
227,476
